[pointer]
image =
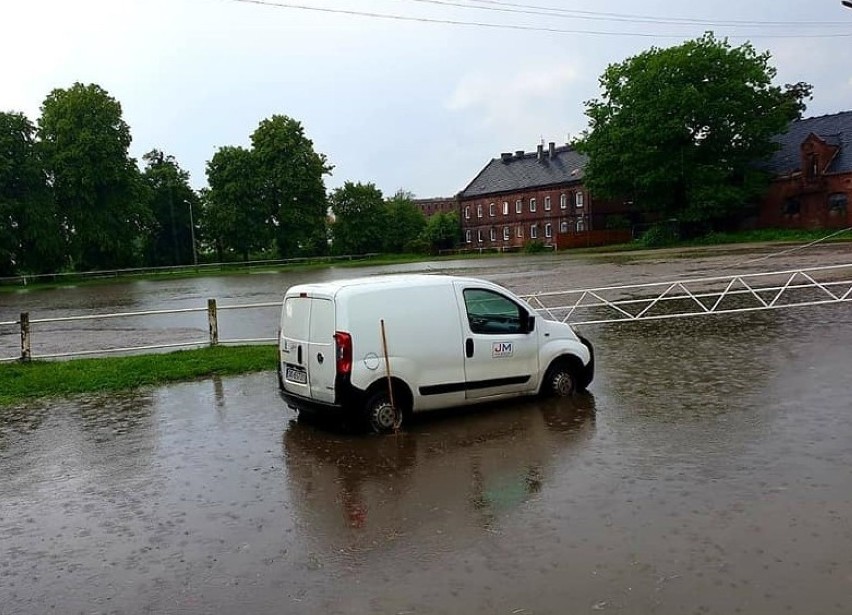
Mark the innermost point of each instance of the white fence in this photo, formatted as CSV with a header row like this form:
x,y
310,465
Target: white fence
x,y
698,296
28,327
612,304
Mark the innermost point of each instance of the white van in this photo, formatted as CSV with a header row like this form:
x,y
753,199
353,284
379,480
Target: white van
x,y
450,341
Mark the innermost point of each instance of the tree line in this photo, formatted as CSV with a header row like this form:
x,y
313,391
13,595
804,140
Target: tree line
x,y
681,133
73,199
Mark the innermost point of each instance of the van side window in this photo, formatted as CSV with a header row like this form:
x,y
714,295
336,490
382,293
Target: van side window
x,y
491,313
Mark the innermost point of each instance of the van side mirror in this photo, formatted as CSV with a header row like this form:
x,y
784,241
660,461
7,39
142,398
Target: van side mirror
x,y
530,324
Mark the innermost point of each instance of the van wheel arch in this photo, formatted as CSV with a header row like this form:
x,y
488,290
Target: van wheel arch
x,y
377,395
564,376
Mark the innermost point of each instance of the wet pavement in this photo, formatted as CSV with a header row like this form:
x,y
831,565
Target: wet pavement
x,y
708,471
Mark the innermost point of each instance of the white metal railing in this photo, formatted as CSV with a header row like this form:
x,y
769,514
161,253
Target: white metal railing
x,y
25,325
609,304
697,296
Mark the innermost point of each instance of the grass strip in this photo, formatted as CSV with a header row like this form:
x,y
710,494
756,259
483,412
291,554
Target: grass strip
x,y
20,382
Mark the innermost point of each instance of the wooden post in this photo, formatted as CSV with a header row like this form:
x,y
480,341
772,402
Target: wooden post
x,y
26,348
387,365
212,322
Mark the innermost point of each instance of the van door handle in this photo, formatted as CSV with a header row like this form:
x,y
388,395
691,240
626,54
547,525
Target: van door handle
x,y
299,355
468,347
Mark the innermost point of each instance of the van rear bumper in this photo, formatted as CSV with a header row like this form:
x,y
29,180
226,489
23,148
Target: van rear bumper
x,y
348,399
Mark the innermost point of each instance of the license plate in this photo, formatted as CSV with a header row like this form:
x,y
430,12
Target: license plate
x,y
297,375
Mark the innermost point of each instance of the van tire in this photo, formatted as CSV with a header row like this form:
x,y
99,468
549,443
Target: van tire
x,y
382,417
561,380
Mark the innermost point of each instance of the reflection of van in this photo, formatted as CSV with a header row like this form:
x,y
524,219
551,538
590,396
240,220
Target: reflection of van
x,y
450,342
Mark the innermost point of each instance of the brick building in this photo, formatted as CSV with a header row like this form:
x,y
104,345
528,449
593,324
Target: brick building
x,y
812,175
535,196
430,207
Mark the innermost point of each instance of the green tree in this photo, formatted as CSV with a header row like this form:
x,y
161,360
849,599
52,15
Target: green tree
x,y
405,222
679,131
30,240
96,185
443,230
234,216
292,186
360,219
170,200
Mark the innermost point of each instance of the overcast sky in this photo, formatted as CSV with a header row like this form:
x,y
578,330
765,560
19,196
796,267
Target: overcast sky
x,y
405,104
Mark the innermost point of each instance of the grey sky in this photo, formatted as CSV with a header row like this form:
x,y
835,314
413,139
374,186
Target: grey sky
x,y
419,106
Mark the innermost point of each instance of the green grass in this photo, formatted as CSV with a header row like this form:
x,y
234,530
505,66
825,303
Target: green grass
x,y
20,382
768,235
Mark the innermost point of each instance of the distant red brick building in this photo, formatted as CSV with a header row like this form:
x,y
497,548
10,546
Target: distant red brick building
x,y
812,175
535,196
430,207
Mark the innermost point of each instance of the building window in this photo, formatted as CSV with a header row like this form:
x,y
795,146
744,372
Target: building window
x,y
467,236
519,206
792,207
534,231
837,203
467,212
505,208
493,234
479,236
547,203
548,230
505,233
479,210
563,226
491,210
563,201
581,224
532,205
813,167
519,232
578,199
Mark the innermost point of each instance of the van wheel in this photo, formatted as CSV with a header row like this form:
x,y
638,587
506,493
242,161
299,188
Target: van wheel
x,y
381,414
561,380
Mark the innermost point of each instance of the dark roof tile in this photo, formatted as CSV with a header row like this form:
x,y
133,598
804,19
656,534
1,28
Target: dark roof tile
x,y
835,129
515,174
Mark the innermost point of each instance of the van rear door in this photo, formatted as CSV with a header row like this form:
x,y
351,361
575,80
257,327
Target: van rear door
x,y
307,347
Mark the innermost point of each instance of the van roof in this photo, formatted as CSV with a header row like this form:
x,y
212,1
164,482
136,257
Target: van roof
x,y
331,288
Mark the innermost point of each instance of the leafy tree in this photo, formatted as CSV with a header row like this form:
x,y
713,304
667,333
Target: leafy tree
x,y
170,200
679,130
443,230
30,240
361,219
234,214
292,185
405,222
84,143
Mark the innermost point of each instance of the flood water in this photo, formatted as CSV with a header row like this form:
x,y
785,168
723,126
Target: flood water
x,y
709,470
522,274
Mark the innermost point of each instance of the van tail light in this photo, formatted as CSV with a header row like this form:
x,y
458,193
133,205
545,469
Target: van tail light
x,y
343,344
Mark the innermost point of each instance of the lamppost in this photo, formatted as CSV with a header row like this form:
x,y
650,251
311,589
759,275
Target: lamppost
x,y
192,235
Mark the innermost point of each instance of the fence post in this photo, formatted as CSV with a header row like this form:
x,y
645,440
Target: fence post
x,y
26,348
212,322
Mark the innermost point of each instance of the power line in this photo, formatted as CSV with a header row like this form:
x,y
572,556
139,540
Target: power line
x,y
580,14
454,22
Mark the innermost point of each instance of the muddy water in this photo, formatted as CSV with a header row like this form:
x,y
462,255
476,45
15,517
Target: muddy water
x,y
523,274
709,471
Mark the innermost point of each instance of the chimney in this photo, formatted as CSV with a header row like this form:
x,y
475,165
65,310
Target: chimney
x,y
540,153
552,149
506,156
519,153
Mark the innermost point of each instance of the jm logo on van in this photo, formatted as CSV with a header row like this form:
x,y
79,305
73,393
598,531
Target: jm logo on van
x,y
501,350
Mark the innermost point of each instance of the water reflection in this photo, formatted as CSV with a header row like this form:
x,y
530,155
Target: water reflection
x,y
447,474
